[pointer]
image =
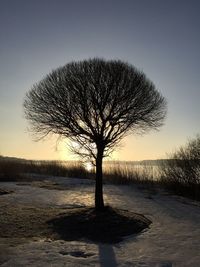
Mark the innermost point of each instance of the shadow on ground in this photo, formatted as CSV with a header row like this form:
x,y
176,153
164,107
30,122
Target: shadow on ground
x,y
108,226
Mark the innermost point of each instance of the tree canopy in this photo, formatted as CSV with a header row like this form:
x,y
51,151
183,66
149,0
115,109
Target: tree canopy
x,y
94,103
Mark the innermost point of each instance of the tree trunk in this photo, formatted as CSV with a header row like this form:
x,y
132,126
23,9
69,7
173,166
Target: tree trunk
x,y
99,203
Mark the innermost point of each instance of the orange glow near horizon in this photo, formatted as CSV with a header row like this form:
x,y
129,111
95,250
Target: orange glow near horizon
x,y
163,43
154,145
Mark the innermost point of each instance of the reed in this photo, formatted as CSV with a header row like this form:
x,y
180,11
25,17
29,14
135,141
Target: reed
x,y
126,173
20,170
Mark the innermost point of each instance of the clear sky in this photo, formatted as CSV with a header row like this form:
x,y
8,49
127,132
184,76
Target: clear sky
x,y
160,37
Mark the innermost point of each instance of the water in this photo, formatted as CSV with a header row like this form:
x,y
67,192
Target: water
x,y
146,170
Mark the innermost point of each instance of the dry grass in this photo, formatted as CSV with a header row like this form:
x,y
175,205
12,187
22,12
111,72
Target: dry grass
x,y
20,170
126,173
181,173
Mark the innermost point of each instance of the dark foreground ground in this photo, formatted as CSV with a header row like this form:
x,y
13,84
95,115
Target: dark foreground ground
x,y
51,223
109,226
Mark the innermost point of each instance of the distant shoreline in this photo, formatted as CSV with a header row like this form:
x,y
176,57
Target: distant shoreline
x,y
135,162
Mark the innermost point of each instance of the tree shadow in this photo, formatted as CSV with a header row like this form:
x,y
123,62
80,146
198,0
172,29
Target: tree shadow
x,y
109,226
107,256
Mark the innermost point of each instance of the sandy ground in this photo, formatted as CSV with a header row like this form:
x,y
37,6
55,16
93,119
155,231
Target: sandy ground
x,y
172,240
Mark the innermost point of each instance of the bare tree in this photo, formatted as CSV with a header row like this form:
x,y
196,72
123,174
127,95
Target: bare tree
x,y
94,103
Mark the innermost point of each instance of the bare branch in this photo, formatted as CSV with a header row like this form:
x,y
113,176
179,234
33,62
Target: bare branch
x,y
94,103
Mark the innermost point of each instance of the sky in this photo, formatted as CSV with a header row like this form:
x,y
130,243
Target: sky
x,y
159,37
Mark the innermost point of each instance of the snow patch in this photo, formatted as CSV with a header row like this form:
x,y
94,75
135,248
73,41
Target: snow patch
x,y
172,240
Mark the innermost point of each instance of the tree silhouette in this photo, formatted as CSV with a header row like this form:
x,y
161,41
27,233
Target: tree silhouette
x,y
94,103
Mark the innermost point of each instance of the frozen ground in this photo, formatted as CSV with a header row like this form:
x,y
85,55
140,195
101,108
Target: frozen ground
x,y
172,240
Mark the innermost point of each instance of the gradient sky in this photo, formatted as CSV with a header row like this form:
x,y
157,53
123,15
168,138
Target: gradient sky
x,y
160,37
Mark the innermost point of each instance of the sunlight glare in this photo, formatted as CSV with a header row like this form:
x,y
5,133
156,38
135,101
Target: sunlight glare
x,y
88,166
